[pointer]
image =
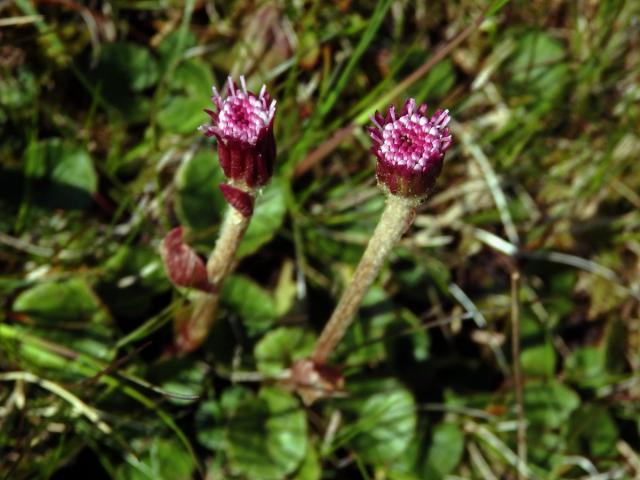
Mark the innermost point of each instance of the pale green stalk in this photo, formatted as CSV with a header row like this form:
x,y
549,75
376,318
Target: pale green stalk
x,y
396,218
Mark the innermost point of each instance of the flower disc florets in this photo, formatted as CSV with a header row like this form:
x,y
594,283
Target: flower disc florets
x,y
410,148
243,126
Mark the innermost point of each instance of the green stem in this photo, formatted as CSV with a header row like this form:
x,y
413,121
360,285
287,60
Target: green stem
x,y
222,259
396,218
191,334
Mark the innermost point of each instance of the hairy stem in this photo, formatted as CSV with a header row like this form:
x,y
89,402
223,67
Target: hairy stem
x,y
396,218
190,335
221,262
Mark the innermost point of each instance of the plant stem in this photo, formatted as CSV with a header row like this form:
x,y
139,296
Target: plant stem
x,y
396,218
517,372
191,334
221,262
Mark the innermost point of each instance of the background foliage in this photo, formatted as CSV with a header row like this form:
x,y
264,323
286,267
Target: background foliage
x,y
99,158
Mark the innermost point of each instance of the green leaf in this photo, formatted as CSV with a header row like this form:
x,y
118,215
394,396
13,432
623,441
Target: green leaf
x,y
285,292
549,404
432,455
189,93
266,221
199,202
254,304
403,347
539,360
538,355
495,7
68,313
267,437
311,468
162,460
131,280
19,91
445,451
280,347
592,431
585,366
385,421
548,449
70,301
376,314
182,114
208,422
127,62
212,416
438,81
615,346
123,70
182,378
537,66
169,47
66,176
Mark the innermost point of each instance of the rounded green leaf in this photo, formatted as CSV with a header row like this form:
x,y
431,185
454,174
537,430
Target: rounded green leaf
x,y
539,360
163,459
70,301
65,175
212,416
131,64
131,280
189,93
585,366
267,219
267,437
311,468
68,313
537,65
445,451
549,403
208,418
124,70
18,91
199,202
592,430
385,421
182,378
280,347
254,304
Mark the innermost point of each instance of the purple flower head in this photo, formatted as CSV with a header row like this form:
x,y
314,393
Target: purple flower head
x,y
243,126
410,148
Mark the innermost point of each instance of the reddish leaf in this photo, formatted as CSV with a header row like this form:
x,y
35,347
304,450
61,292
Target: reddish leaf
x,y
238,199
184,267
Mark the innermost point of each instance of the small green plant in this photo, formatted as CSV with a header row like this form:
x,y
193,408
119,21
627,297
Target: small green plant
x,y
410,149
243,127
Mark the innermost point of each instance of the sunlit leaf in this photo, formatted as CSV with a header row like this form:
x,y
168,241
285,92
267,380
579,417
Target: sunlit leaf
x,y
267,219
280,347
384,420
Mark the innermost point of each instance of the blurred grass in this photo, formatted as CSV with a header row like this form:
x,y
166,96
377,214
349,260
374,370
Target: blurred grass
x,y
99,157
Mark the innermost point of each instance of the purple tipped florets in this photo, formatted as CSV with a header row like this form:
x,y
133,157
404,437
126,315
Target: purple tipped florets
x,y
243,126
410,148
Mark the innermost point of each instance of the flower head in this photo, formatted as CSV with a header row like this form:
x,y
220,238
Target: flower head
x,y
243,126
410,148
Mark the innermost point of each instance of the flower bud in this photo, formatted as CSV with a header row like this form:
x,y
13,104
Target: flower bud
x,y
410,148
243,126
